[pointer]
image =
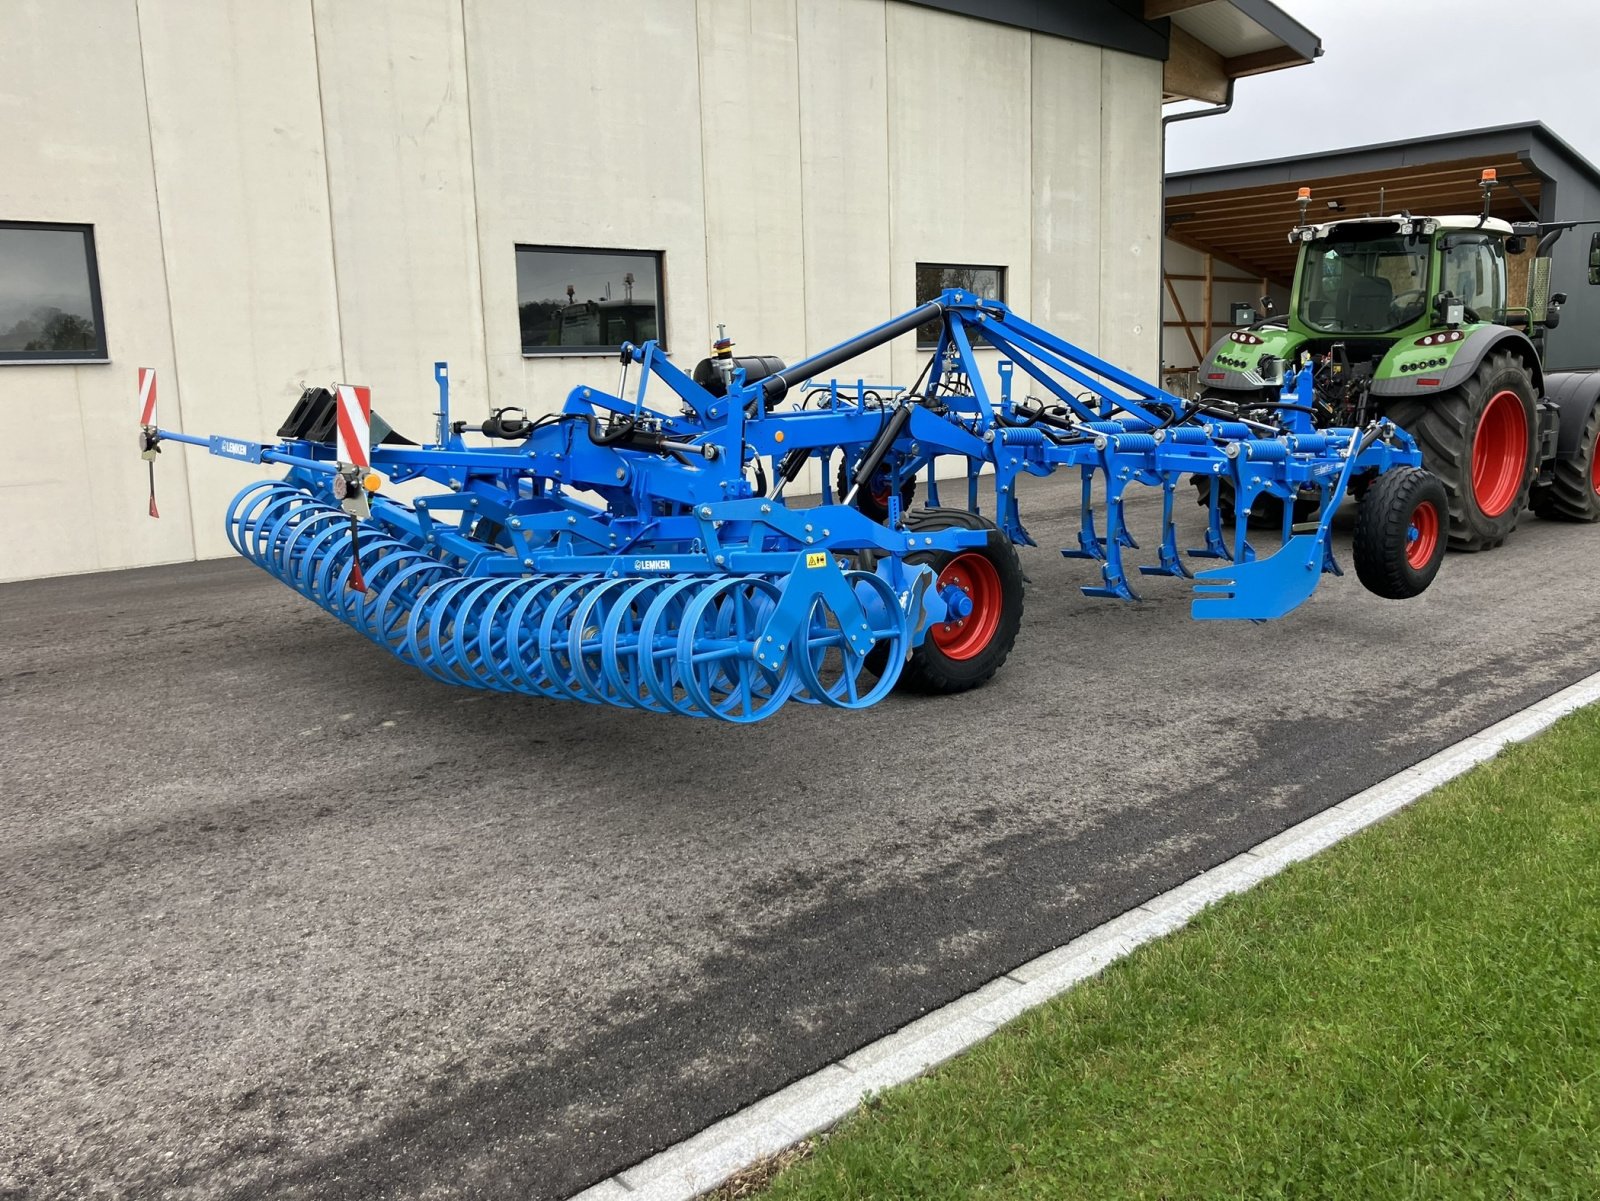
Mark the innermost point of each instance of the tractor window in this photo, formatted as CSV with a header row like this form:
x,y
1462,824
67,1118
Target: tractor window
x,y
1475,273
1367,284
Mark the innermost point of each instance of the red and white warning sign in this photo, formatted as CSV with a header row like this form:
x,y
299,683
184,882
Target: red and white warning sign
x,y
147,395
354,424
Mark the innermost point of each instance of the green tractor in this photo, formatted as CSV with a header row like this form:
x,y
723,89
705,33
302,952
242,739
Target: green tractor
x,y
1409,317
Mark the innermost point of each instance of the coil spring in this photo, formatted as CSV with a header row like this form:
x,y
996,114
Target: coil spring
x,y
683,645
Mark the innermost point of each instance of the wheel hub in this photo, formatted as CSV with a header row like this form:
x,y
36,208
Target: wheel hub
x,y
1499,453
970,587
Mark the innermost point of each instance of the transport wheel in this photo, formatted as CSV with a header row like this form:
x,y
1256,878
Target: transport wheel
x,y
962,653
1478,439
1401,532
1573,493
873,499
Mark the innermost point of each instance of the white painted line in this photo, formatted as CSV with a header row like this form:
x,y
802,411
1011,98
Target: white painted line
x,y
816,1102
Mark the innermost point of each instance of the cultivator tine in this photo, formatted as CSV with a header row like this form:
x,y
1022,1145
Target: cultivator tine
x,y
1171,559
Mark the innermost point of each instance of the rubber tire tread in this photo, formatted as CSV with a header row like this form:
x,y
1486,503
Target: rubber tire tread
x,y
929,670
1570,494
864,500
1444,426
1383,522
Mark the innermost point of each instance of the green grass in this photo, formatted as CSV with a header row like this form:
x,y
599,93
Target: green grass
x,y
1415,1013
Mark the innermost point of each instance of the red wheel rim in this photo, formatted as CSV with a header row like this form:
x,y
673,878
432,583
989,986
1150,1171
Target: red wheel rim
x,y
879,490
977,577
1594,464
1499,453
1423,536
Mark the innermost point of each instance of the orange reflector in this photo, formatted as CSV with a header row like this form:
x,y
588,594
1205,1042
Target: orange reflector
x,y
1490,174
1304,194
371,481
777,436
1428,383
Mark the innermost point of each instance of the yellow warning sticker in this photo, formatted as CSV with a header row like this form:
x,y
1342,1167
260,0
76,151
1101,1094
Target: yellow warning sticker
x,y
817,558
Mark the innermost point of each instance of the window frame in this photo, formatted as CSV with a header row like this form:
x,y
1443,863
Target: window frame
x,y
102,350
548,352
1000,272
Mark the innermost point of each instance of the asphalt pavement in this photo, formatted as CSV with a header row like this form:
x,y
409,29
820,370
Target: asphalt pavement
x,y
280,918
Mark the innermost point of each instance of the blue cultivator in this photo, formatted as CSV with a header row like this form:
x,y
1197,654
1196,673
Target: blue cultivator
x,y
633,554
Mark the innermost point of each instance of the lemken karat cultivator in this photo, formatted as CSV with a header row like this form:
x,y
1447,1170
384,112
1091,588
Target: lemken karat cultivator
x,y
632,550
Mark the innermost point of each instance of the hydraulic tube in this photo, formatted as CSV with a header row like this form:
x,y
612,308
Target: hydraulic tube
x,y
776,386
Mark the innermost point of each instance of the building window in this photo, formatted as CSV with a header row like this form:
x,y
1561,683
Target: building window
x,y
933,278
49,294
587,301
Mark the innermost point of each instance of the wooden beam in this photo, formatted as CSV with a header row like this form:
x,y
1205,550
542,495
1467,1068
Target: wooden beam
x,y
1262,60
1193,70
1221,279
1177,304
1205,300
1154,10
1238,264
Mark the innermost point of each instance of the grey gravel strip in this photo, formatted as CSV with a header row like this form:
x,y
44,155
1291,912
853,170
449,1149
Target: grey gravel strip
x,y
818,1101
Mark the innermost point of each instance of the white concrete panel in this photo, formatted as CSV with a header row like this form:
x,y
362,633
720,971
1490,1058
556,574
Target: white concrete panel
x,y
960,182
404,215
750,103
843,179
586,132
1067,184
844,174
75,148
1130,213
237,137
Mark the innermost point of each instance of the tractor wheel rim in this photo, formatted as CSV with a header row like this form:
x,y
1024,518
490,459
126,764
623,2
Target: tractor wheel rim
x,y
880,491
1499,453
1594,465
1422,539
967,637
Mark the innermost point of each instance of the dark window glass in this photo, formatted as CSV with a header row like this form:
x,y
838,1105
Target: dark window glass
x,y
49,293
933,278
587,300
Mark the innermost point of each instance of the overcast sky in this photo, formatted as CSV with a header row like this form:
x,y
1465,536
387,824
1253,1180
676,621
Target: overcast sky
x,y
1391,70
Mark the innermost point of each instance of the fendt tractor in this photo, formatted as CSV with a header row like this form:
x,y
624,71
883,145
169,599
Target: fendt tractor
x,y
1408,317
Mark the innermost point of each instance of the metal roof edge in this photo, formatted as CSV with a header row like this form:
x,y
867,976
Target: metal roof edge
x,y
1537,131
1281,26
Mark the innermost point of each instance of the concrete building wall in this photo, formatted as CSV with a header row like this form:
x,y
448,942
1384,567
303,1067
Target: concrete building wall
x,y
292,192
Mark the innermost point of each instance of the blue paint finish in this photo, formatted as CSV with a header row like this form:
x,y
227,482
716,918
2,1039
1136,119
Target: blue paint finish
x,y
622,554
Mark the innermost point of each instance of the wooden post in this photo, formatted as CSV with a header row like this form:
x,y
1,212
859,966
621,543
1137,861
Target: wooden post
x,y
1188,329
1205,303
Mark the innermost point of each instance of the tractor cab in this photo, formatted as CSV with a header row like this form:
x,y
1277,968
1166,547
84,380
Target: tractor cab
x,y
1382,276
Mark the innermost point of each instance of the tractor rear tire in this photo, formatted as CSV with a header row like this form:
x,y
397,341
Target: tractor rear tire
x,y
958,655
1400,532
1481,440
873,498
1573,493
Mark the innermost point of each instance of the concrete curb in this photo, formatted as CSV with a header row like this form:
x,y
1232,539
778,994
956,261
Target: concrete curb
x,y
818,1101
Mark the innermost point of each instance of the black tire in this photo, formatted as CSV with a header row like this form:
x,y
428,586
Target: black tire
x,y
1265,514
1446,427
1573,493
1389,562
932,670
873,504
